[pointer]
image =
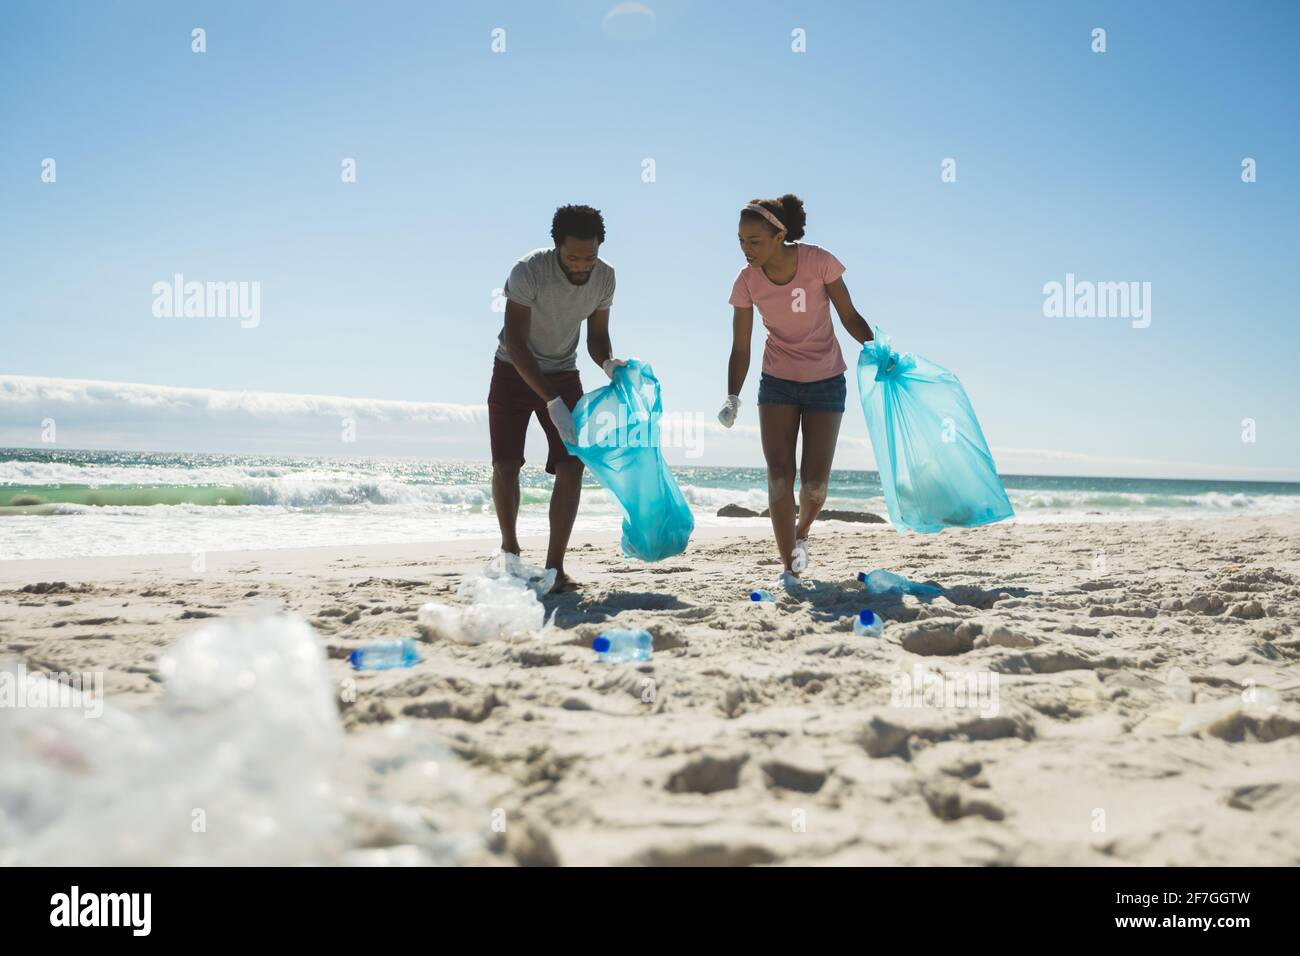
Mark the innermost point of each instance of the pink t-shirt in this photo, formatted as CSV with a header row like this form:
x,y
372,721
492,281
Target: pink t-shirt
x,y
801,344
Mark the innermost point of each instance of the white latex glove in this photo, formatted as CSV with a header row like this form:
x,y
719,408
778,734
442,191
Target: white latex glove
x,y
610,364
728,414
563,419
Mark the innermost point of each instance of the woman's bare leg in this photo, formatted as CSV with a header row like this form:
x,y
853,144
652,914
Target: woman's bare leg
x,y
779,427
820,432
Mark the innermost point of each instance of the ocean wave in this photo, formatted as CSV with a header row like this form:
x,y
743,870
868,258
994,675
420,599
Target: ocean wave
x,y
711,499
62,486
294,493
40,473
301,491
1111,501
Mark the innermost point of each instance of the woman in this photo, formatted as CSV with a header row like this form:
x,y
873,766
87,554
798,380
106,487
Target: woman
x,y
802,385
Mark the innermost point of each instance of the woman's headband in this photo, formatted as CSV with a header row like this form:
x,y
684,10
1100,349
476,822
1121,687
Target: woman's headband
x,y
766,214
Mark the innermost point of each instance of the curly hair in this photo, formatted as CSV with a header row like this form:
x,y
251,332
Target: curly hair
x,y
578,222
788,209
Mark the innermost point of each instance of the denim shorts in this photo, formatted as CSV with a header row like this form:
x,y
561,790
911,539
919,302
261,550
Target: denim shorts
x,y
826,395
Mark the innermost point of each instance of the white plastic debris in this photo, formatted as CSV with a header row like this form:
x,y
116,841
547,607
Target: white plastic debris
x,y
1186,717
242,762
1179,685
500,604
507,566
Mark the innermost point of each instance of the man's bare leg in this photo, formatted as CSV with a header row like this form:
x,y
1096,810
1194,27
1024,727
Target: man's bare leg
x,y
564,510
505,498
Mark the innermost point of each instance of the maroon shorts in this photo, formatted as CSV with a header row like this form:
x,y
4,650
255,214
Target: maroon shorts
x,y
512,401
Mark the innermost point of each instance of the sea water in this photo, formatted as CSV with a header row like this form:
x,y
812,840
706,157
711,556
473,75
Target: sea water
x,y
64,503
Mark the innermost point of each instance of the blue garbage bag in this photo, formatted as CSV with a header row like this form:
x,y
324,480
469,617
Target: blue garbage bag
x,y
618,439
935,467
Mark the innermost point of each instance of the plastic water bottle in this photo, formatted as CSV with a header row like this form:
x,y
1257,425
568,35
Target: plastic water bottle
x,y
868,624
761,595
383,655
887,582
620,644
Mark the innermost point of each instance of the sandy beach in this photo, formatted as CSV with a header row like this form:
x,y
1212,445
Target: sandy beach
x,y
1127,693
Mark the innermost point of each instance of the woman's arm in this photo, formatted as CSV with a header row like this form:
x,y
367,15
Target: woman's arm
x,y
742,331
854,323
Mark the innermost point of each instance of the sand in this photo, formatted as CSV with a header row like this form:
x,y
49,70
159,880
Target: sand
x,y
1135,694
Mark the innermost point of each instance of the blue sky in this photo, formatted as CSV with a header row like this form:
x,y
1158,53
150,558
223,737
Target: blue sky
x,y
225,166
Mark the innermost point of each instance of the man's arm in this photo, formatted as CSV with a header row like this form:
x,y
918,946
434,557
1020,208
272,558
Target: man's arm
x,y
598,346
849,317
518,319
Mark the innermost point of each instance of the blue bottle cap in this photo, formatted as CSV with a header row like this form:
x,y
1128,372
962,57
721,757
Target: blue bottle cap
x,y
866,617
755,596
600,645
355,659
862,575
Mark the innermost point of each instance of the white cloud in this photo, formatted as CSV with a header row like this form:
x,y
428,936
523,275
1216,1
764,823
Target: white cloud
x,y
625,10
89,394
125,416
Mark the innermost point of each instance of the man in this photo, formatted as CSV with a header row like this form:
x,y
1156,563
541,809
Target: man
x,y
548,295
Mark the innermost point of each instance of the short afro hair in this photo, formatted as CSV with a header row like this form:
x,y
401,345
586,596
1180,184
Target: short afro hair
x,y
577,222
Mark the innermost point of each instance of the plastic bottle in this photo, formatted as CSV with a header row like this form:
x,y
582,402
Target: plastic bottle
x,y
868,624
383,655
761,595
887,582
620,644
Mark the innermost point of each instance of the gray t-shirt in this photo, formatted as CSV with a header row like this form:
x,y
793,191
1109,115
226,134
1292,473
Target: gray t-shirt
x,y
558,306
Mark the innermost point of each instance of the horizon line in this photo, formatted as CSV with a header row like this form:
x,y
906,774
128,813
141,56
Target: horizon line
x,y
488,463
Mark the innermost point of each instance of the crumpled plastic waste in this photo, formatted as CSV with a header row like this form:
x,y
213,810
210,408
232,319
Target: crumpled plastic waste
x,y
500,604
243,761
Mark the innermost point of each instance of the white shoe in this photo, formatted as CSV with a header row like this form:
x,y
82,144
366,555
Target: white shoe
x,y
799,561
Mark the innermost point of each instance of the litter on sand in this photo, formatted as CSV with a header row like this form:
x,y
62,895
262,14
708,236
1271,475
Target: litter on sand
x,y
243,761
500,604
